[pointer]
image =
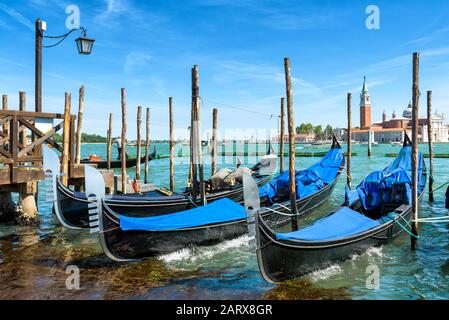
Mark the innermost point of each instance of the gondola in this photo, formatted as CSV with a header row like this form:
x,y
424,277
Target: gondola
x,y
126,238
115,164
374,214
71,207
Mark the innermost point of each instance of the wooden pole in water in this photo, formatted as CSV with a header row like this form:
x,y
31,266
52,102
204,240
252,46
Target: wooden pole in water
x,y
22,107
193,139
172,145
5,108
139,141
370,133
430,135
348,167
281,136
79,125
291,141
108,156
66,140
415,114
147,143
197,123
123,102
214,140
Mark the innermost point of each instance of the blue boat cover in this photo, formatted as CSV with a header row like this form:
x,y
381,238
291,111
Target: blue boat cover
x,y
377,186
223,210
340,224
308,181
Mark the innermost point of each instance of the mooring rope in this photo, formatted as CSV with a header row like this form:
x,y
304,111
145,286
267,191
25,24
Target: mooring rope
x,y
395,215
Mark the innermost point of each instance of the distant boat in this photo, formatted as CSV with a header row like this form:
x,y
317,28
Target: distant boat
x,y
396,143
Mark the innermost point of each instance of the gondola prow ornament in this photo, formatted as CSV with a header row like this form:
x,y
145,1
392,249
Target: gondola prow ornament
x,y
95,191
252,206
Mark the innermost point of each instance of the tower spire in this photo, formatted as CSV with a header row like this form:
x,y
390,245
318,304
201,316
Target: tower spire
x,y
365,86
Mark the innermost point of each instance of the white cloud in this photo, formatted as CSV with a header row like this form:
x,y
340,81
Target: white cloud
x,y
135,61
17,16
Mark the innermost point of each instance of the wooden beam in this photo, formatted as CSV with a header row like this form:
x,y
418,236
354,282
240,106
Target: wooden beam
x,y
123,103
22,107
214,140
109,147
79,125
66,140
291,141
172,145
147,143
415,142
348,166
282,133
430,135
139,141
197,125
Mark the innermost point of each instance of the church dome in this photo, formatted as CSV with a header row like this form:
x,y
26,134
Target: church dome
x,y
408,112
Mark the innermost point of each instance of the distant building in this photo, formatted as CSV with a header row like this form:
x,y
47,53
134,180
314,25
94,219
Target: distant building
x,y
392,130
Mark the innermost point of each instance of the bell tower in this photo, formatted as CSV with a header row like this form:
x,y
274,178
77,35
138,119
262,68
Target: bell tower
x,y
365,107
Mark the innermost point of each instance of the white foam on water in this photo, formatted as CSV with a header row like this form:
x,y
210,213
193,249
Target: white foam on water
x,y
192,255
180,255
326,273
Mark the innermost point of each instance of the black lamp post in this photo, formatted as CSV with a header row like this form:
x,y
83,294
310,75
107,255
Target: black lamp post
x,y
83,44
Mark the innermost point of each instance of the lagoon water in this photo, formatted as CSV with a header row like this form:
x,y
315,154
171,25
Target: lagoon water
x,y
33,260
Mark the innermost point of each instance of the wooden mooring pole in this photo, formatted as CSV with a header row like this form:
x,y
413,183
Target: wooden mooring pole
x,y
415,142
281,136
430,138
66,140
197,124
193,140
291,141
147,143
214,140
370,140
349,134
109,147
79,125
123,103
139,141
172,145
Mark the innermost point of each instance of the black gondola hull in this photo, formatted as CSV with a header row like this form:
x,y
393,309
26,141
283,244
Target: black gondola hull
x,y
284,260
131,245
72,209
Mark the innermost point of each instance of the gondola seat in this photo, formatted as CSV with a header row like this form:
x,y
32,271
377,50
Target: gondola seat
x,y
338,225
220,211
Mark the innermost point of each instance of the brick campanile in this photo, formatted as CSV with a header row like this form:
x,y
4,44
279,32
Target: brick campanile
x,y
365,107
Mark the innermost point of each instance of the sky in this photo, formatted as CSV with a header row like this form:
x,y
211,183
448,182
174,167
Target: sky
x,y
149,48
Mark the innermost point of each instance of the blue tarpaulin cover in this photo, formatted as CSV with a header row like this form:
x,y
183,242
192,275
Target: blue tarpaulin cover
x,y
308,181
379,184
341,224
223,210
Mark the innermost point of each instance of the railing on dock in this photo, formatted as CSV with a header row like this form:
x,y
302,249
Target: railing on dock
x,y
22,135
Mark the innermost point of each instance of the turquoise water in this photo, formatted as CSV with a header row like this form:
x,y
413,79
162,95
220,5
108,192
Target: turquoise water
x,y
33,261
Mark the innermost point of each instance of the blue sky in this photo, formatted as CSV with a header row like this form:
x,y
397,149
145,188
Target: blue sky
x,y
149,47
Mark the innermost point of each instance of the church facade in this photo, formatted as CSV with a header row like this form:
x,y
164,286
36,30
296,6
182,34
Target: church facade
x,y
393,129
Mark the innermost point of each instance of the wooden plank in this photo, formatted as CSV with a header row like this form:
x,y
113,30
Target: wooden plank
x,y
32,115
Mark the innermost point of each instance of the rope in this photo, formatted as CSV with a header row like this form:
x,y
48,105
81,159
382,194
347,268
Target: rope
x,y
237,108
400,225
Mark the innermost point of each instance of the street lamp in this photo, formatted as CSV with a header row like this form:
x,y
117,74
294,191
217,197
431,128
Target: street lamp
x,y
83,44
